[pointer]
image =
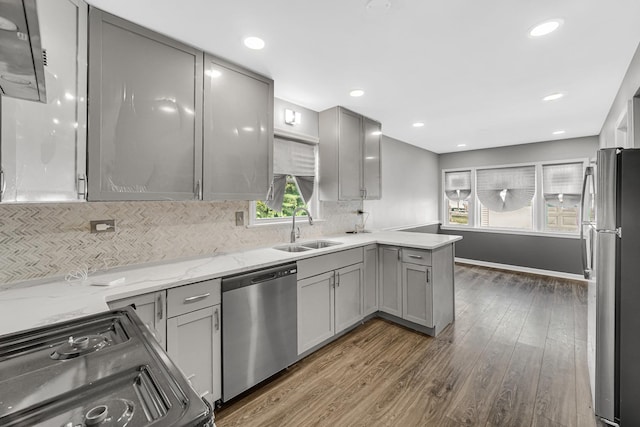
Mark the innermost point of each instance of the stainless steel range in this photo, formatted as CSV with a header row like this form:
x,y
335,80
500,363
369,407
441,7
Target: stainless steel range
x,y
102,370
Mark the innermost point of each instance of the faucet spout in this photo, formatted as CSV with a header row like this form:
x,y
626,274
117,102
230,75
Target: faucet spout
x,y
296,232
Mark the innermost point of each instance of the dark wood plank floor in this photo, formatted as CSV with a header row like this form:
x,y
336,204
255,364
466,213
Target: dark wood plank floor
x,y
515,356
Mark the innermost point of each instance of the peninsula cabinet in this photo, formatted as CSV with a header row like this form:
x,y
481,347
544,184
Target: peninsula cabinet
x,y
145,115
151,309
329,296
349,156
238,132
417,286
370,284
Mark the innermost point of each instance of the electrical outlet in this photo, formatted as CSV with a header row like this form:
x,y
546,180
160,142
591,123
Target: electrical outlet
x,y
239,219
103,226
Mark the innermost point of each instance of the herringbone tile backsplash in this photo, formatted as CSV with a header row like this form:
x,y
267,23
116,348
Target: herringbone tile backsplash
x,y
47,240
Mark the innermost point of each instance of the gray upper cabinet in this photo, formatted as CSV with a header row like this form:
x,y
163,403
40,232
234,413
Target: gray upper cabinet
x,y
145,113
238,132
43,144
349,156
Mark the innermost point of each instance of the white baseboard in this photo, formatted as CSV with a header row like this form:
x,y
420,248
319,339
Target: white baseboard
x,y
518,268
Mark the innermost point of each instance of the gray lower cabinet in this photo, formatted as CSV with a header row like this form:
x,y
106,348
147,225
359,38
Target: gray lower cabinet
x,y
330,289
151,309
417,298
145,120
370,284
417,285
390,280
194,344
238,132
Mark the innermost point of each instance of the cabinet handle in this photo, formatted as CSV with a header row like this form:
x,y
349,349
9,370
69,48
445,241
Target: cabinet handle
x,y
365,193
216,323
204,394
427,276
82,187
190,376
196,298
337,278
415,256
332,280
399,254
3,184
160,308
199,190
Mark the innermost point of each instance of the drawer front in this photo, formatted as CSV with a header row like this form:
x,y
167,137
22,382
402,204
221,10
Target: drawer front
x,y
416,256
188,298
333,261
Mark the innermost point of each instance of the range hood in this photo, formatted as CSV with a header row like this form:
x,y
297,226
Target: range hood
x,y
22,59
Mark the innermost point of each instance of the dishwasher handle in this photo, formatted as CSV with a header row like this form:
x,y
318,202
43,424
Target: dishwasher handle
x,y
264,278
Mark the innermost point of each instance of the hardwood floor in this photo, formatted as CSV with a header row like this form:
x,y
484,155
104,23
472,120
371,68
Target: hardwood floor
x,y
515,356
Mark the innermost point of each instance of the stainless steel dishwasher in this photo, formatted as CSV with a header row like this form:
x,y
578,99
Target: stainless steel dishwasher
x,y
259,327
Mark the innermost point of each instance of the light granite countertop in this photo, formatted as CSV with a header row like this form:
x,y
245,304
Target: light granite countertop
x,y
31,304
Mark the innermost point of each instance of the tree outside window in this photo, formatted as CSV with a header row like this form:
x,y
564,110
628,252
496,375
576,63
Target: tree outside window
x,y
291,201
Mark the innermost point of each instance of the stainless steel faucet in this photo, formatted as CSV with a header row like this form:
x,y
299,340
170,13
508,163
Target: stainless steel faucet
x,y
295,232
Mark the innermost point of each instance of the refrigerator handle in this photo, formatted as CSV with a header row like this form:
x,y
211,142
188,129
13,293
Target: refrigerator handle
x,y
586,269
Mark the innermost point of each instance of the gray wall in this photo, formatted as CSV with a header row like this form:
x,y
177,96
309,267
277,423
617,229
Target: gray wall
x,y
630,86
410,191
541,252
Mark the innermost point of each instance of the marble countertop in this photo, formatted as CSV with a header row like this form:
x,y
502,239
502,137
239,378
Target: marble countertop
x,y
27,305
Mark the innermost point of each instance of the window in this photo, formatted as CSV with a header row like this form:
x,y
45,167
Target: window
x,y
294,183
505,196
538,197
457,189
561,186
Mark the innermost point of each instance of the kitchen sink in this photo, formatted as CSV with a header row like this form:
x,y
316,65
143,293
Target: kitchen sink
x,y
292,248
318,244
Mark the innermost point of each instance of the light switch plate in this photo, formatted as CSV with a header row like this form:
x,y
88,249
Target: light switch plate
x,y
239,219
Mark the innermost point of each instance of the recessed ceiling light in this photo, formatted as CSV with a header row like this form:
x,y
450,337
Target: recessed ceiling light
x,y
418,124
356,93
553,96
546,27
7,25
462,145
255,43
376,133
559,132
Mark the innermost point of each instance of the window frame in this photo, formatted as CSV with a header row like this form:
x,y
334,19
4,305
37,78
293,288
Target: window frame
x,y
313,204
538,203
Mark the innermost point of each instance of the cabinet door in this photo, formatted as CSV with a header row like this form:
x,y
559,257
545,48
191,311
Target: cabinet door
x,y
43,145
371,169
238,132
145,120
315,310
193,343
151,309
390,281
417,302
370,285
349,156
348,296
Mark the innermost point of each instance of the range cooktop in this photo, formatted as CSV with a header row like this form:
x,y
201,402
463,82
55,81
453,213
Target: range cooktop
x,y
102,370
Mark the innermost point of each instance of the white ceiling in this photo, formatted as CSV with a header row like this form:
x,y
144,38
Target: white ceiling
x,y
466,68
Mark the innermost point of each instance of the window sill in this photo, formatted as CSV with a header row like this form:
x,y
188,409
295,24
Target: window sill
x,y
300,221
517,232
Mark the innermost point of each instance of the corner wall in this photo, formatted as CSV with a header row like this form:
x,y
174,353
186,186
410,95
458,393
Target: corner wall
x,y
409,187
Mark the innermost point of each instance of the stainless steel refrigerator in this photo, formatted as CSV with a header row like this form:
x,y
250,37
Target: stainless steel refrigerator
x,y
617,285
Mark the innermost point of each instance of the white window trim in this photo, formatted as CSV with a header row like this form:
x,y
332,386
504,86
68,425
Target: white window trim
x,y
314,203
538,220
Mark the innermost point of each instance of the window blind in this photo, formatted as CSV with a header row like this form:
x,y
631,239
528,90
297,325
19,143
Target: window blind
x,y
506,189
296,159
562,184
457,185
